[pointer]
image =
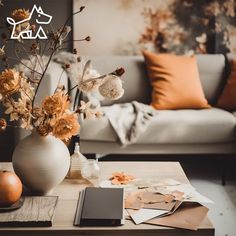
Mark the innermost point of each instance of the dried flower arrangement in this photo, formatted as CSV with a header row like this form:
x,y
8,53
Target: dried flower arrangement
x,y
55,115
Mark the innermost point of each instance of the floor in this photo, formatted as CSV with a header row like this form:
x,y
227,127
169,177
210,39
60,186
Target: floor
x,y
205,177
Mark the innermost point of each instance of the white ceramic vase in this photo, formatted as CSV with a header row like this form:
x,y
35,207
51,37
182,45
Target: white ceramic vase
x,y
41,162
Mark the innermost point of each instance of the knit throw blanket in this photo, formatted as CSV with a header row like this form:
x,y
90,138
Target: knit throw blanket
x,y
129,120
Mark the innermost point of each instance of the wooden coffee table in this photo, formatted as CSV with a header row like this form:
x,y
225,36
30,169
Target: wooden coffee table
x,y
68,193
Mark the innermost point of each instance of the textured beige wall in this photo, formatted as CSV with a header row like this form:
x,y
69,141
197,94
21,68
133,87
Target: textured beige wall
x,y
180,26
114,25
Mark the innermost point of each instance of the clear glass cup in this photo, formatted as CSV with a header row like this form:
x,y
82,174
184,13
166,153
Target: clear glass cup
x,y
91,171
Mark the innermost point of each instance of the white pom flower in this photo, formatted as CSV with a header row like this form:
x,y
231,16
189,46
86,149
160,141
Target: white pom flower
x,y
112,87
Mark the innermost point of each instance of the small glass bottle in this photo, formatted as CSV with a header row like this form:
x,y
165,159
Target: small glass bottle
x,y
91,171
76,162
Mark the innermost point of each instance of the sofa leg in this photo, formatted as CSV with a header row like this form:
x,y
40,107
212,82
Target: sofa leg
x,y
223,169
226,168
223,177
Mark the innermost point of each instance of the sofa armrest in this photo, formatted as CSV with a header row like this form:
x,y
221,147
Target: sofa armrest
x,y
234,113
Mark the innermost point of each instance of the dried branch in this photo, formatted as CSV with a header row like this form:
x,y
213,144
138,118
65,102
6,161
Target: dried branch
x,y
19,61
52,53
59,80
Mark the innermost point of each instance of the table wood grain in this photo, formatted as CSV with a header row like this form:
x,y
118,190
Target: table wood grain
x,y
68,192
36,211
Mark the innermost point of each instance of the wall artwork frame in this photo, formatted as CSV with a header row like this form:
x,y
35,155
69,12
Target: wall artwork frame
x,y
125,27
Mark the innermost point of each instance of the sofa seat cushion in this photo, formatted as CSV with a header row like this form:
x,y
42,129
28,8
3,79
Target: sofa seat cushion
x,y
173,127
191,126
98,130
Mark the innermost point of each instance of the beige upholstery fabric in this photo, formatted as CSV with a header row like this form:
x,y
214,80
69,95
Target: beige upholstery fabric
x,y
178,131
173,126
99,129
211,69
191,126
136,83
136,149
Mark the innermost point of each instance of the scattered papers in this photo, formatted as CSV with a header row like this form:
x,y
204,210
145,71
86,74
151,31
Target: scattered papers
x,y
188,216
143,215
148,200
143,205
152,208
163,202
166,186
190,193
132,201
153,197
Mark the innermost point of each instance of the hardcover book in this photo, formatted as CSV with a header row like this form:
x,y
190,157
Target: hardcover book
x,y
100,207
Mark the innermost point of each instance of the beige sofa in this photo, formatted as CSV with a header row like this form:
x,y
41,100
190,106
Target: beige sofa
x,y
208,131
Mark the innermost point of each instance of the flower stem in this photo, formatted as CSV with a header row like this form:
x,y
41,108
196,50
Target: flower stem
x,y
19,61
58,83
72,89
52,53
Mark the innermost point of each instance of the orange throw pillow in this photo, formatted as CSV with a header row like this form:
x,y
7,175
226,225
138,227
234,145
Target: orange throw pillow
x,y
175,82
227,99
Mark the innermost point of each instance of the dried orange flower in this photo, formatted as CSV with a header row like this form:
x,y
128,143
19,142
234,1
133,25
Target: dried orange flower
x,y
44,130
55,104
121,178
20,14
66,126
9,81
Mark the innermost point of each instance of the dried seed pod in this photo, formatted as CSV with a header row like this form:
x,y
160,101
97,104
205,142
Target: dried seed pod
x,y
3,124
119,72
88,38
112,88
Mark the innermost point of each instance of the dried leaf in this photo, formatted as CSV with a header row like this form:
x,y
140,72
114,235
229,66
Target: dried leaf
x,y
179,196
169,198
120,178
132,202
151,197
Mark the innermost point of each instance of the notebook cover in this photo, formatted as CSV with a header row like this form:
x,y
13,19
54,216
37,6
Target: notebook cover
x,y
100,207
35,212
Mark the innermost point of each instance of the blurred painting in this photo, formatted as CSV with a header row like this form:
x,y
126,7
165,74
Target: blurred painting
x,y
125,27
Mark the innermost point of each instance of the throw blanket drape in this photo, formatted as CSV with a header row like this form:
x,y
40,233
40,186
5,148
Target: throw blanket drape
x,y
129,120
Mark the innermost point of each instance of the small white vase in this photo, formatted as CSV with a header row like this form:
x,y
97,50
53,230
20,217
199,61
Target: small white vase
x,y
41,162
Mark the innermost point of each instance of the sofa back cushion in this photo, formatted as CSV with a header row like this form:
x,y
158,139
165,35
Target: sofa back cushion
x,y
212,75
136,82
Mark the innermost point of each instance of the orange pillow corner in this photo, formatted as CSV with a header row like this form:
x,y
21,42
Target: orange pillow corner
x,y
227,99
